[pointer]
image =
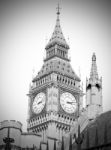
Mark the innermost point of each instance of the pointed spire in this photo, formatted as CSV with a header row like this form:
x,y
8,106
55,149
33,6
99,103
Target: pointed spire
x,y
94,73
58,13
57,36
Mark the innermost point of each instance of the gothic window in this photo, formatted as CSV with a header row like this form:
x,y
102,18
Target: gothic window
x,y
74,83
98,86
63,54
57,78
71,82
68,81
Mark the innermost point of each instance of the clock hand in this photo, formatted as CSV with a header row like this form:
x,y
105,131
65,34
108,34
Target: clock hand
x,y
70,102
40,102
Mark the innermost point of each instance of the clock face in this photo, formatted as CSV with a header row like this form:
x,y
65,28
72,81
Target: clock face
x,y
39,103
68,102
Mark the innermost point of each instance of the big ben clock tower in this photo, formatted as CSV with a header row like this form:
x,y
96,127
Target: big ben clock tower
x,y
55,91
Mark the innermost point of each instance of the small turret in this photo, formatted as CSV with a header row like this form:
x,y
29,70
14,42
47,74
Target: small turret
x,y
93,91
94,73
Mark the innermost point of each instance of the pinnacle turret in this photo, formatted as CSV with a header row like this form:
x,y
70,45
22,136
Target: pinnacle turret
x,y
94,73
93,92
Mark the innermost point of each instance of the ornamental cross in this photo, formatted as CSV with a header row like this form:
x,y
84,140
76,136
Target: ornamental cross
x,y
58,9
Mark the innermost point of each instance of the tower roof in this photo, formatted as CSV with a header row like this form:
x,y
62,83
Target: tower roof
x,y
57,35
57,55
94,73
59,66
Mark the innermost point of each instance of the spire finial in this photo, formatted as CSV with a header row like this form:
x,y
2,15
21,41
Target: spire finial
x,y
58,9
94,73
93,57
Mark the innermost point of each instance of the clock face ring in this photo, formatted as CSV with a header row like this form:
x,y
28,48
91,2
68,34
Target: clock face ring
x,y
68,102
38,103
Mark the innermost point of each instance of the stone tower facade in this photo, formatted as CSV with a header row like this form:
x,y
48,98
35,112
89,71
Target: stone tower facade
x,y
93,92
55,91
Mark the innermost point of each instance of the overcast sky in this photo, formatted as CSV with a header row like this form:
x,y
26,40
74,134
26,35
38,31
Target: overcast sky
x,y
25,28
